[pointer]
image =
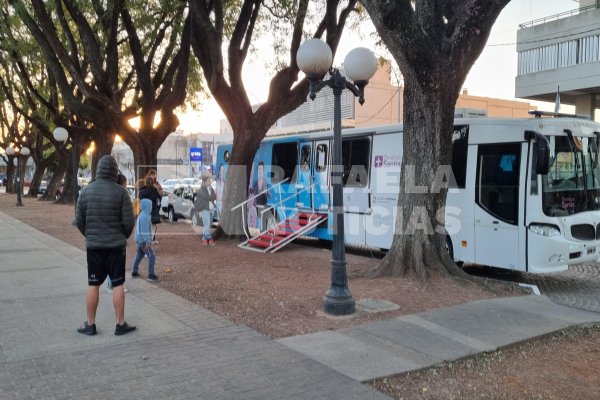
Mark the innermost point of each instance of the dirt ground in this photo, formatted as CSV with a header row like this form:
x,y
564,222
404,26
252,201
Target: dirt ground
x,y
562,366
281,295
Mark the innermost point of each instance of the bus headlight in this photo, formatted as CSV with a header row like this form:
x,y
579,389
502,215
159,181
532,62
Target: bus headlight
x,y
545,230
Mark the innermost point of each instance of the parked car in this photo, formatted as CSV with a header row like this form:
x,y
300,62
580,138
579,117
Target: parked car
x,y
169,184
180,204
189,181
43,188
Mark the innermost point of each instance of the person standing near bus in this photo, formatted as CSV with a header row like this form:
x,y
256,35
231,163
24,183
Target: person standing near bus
x,y
205,204
104,215
151,193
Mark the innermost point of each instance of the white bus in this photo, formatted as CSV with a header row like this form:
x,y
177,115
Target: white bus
x,y
526,194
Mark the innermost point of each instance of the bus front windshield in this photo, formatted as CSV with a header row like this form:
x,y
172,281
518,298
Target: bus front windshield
x,y
573,183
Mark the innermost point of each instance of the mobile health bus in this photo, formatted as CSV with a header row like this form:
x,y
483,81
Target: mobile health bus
x,y
525,194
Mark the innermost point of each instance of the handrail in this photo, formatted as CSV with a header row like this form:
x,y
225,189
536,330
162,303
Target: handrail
x,y
286,199
559,15
258,194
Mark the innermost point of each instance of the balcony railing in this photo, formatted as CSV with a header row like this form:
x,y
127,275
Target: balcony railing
x,y
564,14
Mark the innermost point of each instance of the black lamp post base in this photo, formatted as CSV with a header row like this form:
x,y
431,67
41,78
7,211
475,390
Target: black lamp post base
x,y
340,303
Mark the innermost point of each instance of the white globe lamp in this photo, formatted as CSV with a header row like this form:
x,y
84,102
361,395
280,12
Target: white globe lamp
x,y
60,134
360,64
314,58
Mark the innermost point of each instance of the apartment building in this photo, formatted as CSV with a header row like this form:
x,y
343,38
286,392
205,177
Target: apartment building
x,y
562,50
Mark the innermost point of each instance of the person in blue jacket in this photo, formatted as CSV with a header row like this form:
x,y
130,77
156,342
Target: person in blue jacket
x,y
143,240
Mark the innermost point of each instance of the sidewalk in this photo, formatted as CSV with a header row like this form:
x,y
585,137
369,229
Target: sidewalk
x,y
182,351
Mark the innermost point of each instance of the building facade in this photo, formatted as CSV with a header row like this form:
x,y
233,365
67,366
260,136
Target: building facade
x,y
383,105
174,155
561,50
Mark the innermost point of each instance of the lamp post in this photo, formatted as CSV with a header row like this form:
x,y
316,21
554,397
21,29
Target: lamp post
x,y
61,135
23,153
314,58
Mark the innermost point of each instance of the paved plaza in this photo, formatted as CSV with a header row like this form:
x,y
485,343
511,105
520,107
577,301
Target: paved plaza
x,y
183,351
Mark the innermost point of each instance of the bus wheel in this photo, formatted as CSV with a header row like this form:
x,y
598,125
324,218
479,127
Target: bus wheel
x,y
450,250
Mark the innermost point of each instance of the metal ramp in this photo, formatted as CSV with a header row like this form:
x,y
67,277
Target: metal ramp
x,y
284,233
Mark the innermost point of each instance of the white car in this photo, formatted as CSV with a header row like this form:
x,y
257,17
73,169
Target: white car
x,y
180,203
169,184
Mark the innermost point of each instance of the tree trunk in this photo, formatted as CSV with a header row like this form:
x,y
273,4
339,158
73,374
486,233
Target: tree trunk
x,y
36,179
233,223
10,175
419,243
68,196
145,154
56,179
103,146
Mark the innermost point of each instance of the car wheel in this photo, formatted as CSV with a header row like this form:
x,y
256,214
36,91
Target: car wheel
x,y
172,217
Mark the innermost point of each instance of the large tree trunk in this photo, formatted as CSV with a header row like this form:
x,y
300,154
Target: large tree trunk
x,y
36,179
55,181
435,45
70,187
145,153
10,175
420,237
233,223
103,146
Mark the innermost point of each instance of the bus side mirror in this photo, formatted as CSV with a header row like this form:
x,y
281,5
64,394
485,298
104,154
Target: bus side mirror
x,y
541,150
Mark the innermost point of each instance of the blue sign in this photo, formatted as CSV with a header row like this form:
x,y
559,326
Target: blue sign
x,y
195,153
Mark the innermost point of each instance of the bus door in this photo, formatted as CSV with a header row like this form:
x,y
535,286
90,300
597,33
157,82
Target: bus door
x,y
321,167
356,157
303,189
499,204
385,189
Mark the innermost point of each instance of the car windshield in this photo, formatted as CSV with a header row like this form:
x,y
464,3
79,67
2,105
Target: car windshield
x,y
573,183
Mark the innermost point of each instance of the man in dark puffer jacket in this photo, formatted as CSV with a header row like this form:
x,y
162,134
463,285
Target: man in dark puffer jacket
x,y
105,217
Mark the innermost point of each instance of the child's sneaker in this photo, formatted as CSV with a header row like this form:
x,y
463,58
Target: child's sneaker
x,y
211,242
204,242
108,289
152,278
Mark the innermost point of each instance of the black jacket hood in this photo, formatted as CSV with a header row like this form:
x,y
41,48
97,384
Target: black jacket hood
x,y
107,168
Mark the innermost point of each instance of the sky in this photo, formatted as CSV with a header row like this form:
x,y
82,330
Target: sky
x,y
492,75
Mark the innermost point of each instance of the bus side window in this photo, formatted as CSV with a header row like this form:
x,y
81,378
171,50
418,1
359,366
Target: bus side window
x,y
355,159
460,143
321,161
498,171
305,158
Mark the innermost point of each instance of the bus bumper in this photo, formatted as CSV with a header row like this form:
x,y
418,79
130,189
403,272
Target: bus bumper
x,y
562,253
